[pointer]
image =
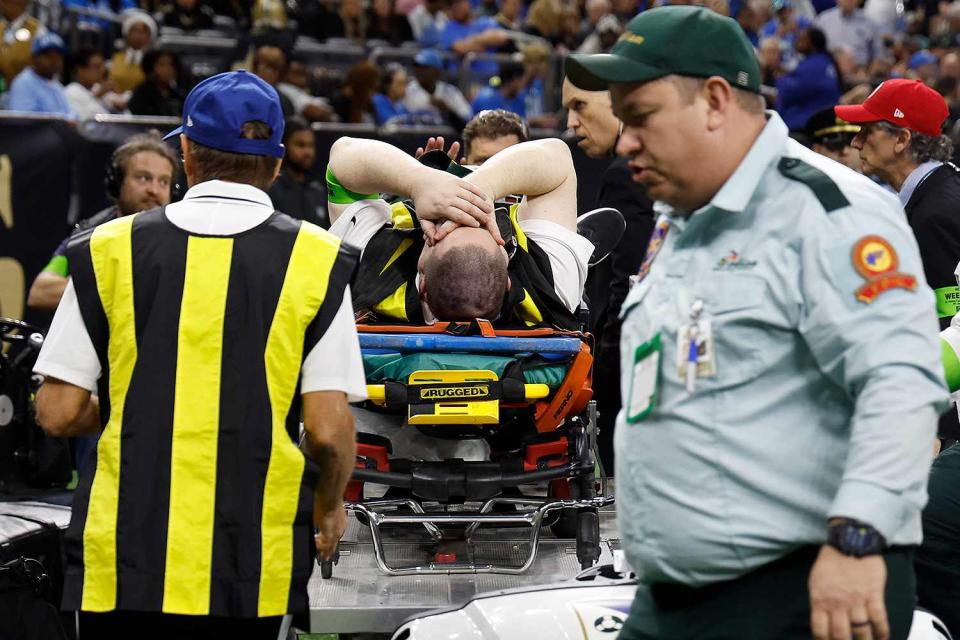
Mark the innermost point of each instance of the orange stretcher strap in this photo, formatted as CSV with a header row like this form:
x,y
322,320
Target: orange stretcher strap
x,y
571,396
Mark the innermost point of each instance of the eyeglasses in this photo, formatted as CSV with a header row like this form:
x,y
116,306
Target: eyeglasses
x,y
868,128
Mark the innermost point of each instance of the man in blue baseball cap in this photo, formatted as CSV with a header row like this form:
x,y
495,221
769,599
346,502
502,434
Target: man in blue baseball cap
x,y
37,88
924,65
192,338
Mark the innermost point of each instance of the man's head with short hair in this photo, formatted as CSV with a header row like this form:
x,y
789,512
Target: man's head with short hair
x,y
270,63
147,168
950,65
489,132
88,67
512,79
590,117
464,276
459,10
297,72
510,9
685,82
300,145
232,130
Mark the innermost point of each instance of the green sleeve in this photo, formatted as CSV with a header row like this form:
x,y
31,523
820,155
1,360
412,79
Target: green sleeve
x,y
951,365
948,301
338,194
58,265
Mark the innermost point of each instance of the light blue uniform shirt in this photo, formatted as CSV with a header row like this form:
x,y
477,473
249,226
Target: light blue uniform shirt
x,y
822,404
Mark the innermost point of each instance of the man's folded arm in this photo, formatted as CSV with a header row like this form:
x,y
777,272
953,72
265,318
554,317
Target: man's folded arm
x,y
543,171
370,166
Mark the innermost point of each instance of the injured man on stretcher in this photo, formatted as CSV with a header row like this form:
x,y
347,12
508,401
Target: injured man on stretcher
x,y
450,248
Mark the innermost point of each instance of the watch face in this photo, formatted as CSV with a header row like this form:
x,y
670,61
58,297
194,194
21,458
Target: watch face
x,y
855,539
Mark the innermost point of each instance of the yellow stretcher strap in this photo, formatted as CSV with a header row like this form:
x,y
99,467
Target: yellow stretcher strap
x,y
532,392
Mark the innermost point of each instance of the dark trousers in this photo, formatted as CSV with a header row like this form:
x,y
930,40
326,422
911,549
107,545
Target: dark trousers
x,y
769,603
161,626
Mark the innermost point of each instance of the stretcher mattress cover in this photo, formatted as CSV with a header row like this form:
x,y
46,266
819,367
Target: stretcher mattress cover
x,y
469,344
397,367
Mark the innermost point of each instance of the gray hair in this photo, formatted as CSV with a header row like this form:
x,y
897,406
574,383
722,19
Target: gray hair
x,y
922,147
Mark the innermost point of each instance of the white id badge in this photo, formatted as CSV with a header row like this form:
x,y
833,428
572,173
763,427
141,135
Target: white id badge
x,y
706,359
644,380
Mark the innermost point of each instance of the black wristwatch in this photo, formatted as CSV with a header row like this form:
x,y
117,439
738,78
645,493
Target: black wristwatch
x,y
854,538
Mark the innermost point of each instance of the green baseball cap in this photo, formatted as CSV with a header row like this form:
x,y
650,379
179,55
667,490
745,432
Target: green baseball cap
x,y
682,40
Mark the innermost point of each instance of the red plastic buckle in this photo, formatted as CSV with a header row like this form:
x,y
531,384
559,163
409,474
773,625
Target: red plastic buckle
x,y
555,449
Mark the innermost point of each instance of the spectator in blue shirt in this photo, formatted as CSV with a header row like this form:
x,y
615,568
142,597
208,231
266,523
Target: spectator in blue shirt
x,y
505,91
37,87
813,85
462,35
388,103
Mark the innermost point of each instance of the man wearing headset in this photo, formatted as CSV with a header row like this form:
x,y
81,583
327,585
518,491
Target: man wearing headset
x,y
590,117
140,177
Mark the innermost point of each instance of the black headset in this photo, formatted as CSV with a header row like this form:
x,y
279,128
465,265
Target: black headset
x,y
113,181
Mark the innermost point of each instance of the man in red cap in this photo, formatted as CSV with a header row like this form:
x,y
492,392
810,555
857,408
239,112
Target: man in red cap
x,y
901,143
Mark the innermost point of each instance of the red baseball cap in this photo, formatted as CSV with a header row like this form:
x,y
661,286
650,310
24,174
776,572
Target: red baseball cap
x,y
905,103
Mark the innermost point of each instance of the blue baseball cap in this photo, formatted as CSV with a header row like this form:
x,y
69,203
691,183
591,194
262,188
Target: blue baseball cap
x,y
428,58
46,42
216,109
921,58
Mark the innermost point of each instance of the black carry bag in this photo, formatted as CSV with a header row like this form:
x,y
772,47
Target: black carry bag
x,y
29,458
25,614
31,571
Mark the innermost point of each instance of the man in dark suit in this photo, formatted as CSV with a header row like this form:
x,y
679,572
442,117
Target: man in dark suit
x,y
900,142
590,117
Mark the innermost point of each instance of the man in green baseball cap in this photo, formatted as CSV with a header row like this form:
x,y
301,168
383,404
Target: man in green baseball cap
x,y
779,400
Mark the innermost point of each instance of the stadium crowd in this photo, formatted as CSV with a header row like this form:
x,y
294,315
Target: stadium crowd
x,y
441,61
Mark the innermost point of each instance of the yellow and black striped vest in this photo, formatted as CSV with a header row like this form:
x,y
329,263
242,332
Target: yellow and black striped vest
x,y
199,501
386,278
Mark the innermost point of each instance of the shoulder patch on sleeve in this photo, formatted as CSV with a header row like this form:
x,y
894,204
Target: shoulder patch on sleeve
x,y
823,187
875,259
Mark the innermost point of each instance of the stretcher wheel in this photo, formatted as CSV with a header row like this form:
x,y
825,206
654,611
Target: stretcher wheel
x,y
566,525
326,566
588,537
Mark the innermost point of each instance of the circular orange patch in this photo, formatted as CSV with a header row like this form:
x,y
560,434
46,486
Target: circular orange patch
x,y
873,256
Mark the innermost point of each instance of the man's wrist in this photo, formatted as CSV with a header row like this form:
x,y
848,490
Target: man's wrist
x,y
478,179
416,180
854,538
